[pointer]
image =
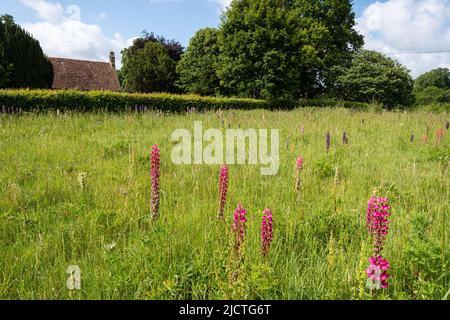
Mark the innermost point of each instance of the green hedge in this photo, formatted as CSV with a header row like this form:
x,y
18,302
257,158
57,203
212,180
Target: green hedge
x,y
41,100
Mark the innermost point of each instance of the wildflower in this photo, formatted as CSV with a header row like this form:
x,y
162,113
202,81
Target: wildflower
x,y
82,180
223,190
298,169
239,225
412,136
439,134
425,139
332,248
266,231
154,173
344,138
328,141
377,272
447,125
337,177
377,223
378,210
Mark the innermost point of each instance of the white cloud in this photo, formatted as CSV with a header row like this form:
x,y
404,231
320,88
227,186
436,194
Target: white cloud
x,y
48,11
61,33
223,4
409,26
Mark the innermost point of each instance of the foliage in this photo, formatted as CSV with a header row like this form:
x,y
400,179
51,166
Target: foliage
x,y
439,78
41,100
431,95
197,68
433,87
174,48
22,62
373,77
149,64
283,49
150,69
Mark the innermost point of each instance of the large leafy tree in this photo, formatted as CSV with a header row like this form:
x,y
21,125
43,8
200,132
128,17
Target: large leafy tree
x,y
439,78
22,61
197,68
149,69
433,87
284,48
149,64
373,77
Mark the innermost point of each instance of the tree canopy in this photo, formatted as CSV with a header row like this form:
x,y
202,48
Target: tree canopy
x,y
284,48
149,69
439,78
149,65
198,65
22,61
373,77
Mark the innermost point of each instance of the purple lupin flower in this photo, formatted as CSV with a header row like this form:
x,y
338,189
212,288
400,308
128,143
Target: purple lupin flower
x,y
266,231
239,225
328,141
154,173
344,138
223,190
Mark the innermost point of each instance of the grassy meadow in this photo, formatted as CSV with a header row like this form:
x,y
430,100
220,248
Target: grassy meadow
x,y
48,222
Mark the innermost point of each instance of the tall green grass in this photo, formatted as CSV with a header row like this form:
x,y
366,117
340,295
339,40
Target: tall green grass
x,y
320,248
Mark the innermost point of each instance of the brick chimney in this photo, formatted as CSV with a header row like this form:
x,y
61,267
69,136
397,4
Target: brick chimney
x,y
112,59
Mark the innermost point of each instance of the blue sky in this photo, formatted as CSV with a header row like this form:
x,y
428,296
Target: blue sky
x,y
177,19
88,29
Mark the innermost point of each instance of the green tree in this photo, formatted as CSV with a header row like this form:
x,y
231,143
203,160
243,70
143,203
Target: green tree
x,y
284,48
22,61
433,87
432,94
149,69
373,77
439,78
198,65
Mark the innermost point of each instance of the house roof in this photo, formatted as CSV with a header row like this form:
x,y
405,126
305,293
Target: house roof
x,y
84,75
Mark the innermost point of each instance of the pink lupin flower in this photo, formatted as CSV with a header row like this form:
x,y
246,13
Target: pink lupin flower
x,y
154,173
377,222
377,272
239,225
298,168
439,134
266,231
378,211
223,190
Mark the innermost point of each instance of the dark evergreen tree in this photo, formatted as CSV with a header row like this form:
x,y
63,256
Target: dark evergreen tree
x,y
22,61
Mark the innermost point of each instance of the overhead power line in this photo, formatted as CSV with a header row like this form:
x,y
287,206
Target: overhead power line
x,y
419,52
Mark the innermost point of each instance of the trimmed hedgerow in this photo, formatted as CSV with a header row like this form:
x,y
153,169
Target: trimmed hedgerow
x,y
42,100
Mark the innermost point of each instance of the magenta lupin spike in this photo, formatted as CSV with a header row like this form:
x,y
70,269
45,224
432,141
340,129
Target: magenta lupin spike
x,y
223,190
155,174
266,231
